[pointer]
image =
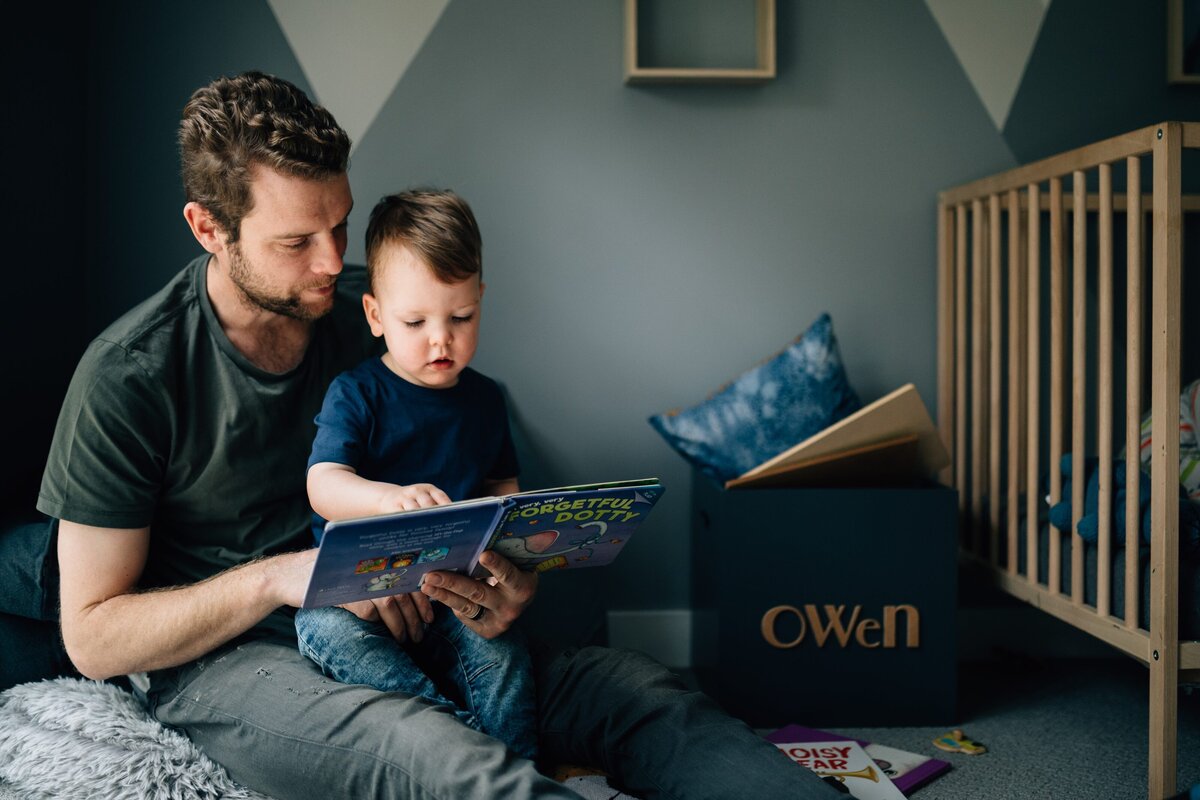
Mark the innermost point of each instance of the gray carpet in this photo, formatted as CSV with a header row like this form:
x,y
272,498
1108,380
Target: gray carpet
x,y
1069,729
1058,729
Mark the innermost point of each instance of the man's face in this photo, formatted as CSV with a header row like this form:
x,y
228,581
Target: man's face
x,y
431,328
289,254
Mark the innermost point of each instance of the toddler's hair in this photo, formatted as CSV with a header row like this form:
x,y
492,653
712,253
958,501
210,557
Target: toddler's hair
x,y
437,225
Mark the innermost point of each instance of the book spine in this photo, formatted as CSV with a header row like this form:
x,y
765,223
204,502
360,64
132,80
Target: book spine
x,y
502,507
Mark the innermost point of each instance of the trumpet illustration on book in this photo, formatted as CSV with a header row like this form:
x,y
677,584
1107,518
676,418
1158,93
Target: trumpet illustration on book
x,y
866,773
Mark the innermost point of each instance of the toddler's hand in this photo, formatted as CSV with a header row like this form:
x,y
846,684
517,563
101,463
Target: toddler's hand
x,y
413,496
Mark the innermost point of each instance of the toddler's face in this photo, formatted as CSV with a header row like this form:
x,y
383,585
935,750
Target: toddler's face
x,y
431,328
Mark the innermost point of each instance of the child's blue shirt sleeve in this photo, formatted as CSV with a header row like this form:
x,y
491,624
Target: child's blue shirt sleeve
x,y
343,425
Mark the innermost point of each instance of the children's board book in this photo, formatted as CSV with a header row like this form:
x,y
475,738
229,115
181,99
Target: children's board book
x,y
547,529
892,440
907,771
846,765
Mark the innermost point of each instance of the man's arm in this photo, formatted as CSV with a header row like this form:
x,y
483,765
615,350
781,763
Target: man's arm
x,y
110,628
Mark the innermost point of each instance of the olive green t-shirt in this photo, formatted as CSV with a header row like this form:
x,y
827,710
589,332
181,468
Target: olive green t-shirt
x,y
167,425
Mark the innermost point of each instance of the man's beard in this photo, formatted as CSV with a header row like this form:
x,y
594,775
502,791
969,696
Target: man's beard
x,y
250,285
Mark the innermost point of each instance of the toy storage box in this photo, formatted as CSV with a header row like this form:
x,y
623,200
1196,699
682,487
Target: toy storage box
x,y
826,607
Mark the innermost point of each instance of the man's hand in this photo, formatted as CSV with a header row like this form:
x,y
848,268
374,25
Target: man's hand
x,y
405,615
488,607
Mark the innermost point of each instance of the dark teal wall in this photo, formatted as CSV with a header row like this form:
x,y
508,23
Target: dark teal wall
x,y
1098,69
45,212
146,59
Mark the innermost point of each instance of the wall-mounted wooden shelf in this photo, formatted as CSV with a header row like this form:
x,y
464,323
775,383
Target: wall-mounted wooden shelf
x,y
1177,29
763,70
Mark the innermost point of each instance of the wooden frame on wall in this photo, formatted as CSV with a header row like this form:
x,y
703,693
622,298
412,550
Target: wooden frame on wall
x,y
1183,41
763,70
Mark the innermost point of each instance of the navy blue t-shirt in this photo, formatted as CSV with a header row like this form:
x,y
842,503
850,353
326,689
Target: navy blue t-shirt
x,y
389,429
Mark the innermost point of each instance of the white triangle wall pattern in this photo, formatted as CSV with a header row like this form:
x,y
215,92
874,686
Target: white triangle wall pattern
x,y
993,40
354,53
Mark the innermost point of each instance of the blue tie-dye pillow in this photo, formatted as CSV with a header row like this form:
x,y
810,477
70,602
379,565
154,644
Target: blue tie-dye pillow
x,y
766,410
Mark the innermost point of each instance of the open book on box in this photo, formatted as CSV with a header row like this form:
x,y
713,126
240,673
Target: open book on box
x,y
567,527
890,441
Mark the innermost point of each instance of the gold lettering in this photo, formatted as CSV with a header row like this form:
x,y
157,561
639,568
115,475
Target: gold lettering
x,y
834,615
861,634
864,630
768,626
913,625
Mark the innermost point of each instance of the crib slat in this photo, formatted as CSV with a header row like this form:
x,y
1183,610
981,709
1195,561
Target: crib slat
x,y
1033,389
1104,399
1016,352
1164,467
1056,375
993,379
1133,383
1078,379
945,344
960,371
978,377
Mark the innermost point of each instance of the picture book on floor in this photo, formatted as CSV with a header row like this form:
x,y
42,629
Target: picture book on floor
x,y
907,771
542,530
845,764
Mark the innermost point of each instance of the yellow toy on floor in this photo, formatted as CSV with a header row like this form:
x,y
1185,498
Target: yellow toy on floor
x,y
956,742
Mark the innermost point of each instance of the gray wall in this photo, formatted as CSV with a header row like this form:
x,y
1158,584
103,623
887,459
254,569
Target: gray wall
x,y
642,245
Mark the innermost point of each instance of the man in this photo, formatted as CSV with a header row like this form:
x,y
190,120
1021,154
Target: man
x,y
177,474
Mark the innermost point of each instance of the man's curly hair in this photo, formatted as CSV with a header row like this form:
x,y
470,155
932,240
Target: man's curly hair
x,y
236,123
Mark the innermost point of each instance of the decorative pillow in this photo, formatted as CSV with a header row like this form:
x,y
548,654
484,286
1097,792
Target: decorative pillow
x,y
778,404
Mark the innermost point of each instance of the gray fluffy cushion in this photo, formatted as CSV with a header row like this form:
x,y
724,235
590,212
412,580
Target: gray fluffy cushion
x,y
75,738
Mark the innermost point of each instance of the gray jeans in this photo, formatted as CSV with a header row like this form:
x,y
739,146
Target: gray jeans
x,y
280,727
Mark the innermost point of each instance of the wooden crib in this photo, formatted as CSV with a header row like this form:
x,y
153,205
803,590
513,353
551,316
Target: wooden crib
x,y
1017,335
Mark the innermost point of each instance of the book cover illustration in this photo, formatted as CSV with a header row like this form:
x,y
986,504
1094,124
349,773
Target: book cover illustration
x,y
908,771
541,531
844,764
569,527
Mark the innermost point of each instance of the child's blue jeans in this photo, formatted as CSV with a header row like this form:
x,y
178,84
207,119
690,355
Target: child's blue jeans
x,y
490,680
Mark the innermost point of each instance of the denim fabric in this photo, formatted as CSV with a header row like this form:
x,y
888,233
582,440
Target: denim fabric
x,y
268,715
487,682
29,568
30,650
